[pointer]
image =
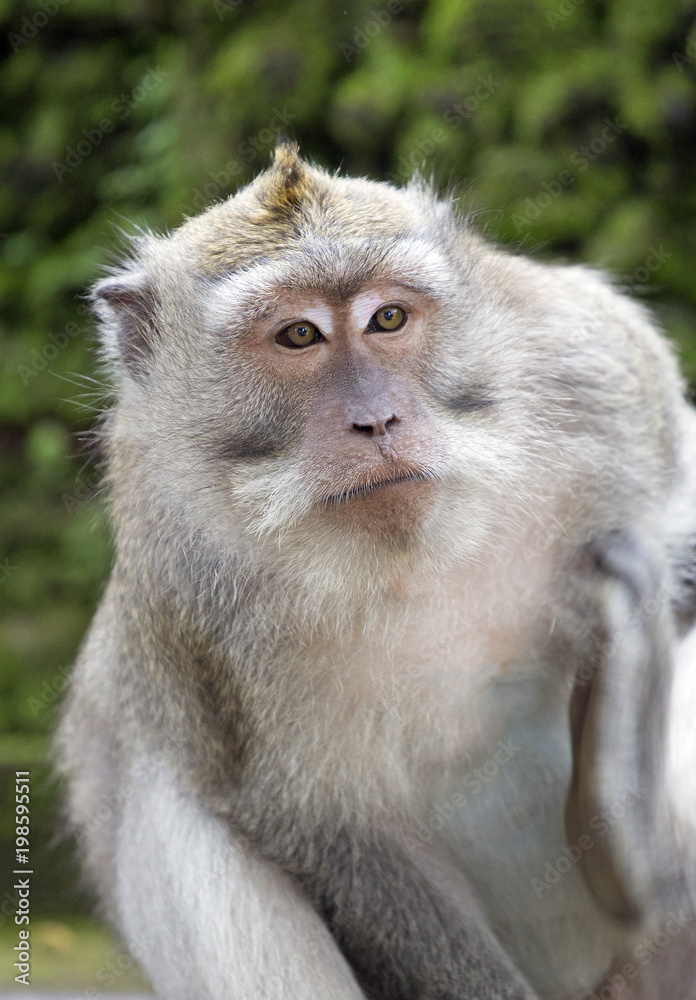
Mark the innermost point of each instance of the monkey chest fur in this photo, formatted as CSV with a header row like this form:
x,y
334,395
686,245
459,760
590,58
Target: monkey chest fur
x,y
500,811
450,717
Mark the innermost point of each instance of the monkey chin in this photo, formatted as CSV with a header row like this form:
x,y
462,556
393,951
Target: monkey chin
x,y
393,510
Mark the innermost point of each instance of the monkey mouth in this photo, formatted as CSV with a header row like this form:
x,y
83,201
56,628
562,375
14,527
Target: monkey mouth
x,y
365,489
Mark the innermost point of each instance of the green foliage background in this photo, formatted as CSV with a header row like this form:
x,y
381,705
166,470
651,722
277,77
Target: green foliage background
x,y
117,112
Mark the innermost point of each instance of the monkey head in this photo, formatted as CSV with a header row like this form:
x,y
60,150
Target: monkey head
x,y
341,374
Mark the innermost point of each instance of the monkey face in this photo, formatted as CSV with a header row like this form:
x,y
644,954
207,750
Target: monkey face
x,y
368,445
308,362
342,371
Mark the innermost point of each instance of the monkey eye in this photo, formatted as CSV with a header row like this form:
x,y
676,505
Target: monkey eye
x,y
388,318
300,334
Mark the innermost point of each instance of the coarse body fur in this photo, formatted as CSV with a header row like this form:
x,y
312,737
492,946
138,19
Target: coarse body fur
x,y
330,735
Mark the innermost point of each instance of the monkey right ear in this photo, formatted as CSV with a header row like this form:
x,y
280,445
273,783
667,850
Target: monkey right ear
x,y
126,304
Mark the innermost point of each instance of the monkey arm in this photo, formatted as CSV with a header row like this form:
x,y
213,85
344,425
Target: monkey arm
x,y
407,921
206,917
185,880
620,722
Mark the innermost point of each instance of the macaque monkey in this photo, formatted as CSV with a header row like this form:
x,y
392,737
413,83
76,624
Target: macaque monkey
x,y
392,690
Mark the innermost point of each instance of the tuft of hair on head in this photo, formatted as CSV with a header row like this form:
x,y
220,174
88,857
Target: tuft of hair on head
x,y
284,186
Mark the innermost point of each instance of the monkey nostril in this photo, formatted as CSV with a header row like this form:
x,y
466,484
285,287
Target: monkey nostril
x,y
376,426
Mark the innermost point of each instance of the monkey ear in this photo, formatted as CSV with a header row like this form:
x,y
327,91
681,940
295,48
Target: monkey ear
x,y
126,306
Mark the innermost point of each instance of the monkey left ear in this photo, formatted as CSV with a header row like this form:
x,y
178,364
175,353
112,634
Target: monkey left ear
x,y
126,304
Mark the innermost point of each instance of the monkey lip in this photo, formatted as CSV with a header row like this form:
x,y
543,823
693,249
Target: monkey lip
x,y
366,489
